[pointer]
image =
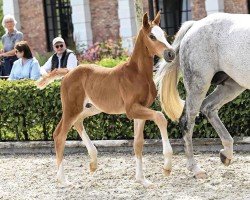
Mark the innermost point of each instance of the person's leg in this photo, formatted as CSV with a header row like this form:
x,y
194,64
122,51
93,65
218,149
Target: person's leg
x,y
8,63
1,70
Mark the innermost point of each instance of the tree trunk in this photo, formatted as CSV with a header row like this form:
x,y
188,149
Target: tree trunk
x,y
24,127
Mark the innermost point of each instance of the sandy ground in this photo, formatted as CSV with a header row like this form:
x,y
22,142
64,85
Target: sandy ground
x,y
33,177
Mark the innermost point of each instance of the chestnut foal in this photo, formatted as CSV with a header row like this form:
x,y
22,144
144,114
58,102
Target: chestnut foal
x,y
127,88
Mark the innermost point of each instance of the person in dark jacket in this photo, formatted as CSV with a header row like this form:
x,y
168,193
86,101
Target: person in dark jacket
x,y
62,61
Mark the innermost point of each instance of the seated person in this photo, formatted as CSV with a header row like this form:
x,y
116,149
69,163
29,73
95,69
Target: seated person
x,y
26,67
62,61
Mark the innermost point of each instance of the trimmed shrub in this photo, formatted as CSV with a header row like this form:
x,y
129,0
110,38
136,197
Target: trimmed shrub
x,y
27,113
110,62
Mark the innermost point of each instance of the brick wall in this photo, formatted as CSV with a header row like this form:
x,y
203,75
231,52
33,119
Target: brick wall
x,y
198,9
235,6
104,19
33,24
145,6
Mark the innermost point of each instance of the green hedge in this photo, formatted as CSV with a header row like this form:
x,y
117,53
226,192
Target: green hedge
x,y
27,113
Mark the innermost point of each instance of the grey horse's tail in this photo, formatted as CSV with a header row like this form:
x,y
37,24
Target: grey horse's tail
x,y
167,78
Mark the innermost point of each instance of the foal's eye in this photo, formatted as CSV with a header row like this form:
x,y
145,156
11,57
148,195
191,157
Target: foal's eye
x,y
152,37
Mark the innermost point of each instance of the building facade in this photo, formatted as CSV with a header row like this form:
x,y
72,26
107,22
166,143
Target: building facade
x,y
84,22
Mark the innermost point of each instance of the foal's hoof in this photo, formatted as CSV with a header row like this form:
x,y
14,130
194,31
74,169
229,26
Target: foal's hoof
x,y
146,183
201,175
92,167
224,159
166,172
64,183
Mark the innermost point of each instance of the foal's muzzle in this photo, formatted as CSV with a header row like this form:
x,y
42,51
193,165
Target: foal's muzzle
x,y
169,55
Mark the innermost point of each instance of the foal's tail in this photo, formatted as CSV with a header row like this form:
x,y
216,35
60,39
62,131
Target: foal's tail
x,y
47,79
167,79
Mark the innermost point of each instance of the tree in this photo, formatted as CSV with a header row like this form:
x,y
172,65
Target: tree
x,y
2,31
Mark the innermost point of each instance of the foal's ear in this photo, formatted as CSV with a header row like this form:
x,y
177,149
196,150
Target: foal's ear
x,y
145,21
157,18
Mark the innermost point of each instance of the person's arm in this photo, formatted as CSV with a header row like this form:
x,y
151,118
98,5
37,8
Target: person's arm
x,y
72,62
8,53
2,51
11,76
60,71
19,37
46,68
35,71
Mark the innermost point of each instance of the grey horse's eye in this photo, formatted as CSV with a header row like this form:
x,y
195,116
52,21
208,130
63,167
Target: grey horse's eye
x,y
152,37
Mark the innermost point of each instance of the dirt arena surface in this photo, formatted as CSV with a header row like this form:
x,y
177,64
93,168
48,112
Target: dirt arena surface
x,y
25,177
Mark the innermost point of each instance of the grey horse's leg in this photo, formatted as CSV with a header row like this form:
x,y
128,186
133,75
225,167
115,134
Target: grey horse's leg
x,y
222,95
197,86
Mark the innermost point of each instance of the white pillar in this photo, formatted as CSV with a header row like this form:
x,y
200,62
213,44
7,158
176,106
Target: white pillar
x,y
12,7
127,17
81,19
214,6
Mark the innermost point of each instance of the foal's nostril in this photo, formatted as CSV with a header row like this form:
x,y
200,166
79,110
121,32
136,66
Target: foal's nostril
x,y
169,55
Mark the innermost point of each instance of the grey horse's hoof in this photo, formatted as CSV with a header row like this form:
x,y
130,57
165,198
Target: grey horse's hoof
x,y
224,159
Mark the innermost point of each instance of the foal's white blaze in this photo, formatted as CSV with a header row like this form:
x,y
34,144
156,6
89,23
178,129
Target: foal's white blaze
x,y
160,36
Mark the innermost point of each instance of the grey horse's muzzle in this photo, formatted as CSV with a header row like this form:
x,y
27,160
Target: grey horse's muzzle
x,y
169,55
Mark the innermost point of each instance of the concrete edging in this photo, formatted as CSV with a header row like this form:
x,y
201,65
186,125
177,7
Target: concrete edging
x,y
241,144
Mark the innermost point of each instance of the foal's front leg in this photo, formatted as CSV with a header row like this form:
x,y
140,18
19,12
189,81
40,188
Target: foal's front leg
x,y
137,111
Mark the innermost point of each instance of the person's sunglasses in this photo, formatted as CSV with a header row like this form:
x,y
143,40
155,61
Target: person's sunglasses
x,y
57,46
9,21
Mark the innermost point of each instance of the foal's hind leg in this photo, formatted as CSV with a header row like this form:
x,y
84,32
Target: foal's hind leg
x,y
222,95
138,148
60,135
85,138
72,105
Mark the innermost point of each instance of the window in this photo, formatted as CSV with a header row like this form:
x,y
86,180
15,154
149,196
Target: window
x,y
248,3
58,21
173,13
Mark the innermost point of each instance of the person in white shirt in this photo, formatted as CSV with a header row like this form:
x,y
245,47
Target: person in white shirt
x,y
62,61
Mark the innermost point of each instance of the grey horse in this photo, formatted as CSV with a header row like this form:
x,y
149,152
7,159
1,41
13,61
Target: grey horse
x,y
215,49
